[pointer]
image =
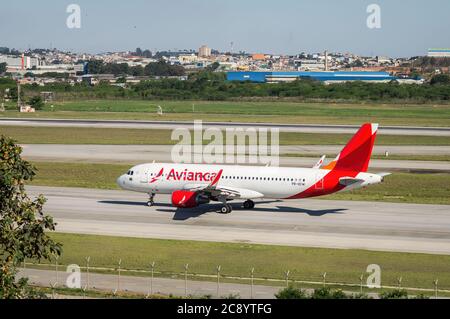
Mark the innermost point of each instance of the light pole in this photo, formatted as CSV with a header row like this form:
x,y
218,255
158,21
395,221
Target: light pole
x,y
56,269
118,276
286,275
251,287
324,278
361,283
218,279
53,289
186,267
152,266
87,271
435,288
399,282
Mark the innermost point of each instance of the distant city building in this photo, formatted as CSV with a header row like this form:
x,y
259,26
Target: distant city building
x,y
310,65
439,53
258,57
204,51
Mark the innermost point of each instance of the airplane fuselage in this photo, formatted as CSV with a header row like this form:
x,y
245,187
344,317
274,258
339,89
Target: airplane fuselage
x,y
253,181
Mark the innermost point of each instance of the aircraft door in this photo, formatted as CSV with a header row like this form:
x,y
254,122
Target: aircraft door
x,y
319,181
144,177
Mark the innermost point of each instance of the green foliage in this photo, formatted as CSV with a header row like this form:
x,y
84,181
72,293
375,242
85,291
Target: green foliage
x,y
440,79
291,292
161,68
212,86
232,296
23,224
2,67
328,293
427,61
394,294
319,293
36,102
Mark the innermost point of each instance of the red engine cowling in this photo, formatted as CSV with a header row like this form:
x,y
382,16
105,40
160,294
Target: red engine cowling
x,y
188,199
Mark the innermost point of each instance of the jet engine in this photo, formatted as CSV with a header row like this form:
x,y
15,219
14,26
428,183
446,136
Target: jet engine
x,y
188,199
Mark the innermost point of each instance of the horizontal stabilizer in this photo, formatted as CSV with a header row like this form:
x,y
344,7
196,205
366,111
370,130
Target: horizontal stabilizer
x,y
347,181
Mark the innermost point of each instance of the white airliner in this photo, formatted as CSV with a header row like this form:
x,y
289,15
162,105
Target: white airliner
x,y
196,184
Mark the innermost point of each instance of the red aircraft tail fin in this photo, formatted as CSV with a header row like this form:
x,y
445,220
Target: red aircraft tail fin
x,y
355,156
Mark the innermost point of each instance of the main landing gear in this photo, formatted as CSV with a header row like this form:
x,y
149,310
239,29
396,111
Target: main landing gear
x,y
150,201
226,209
248,204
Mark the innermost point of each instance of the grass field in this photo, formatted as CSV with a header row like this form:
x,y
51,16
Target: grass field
x,y
72,135
405,157
236,259
277,112
399,187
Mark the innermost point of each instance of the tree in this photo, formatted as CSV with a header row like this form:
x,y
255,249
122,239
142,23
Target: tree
x,y
95,67
394,294
161,68
2,68
23,224
440,79
291,292
36,102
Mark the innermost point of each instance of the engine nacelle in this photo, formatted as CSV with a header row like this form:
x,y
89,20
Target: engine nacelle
x,y
188,199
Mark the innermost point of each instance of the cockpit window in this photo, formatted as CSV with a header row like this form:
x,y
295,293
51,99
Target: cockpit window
x,y
130,173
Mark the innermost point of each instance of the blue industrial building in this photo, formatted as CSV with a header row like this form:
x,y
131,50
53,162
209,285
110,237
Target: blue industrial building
x,y
325,76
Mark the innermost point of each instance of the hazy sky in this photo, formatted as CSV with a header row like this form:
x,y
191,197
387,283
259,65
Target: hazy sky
x,y
408,28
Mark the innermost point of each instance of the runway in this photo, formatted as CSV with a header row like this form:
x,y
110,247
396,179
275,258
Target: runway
x,y
308,222
135,154
302,128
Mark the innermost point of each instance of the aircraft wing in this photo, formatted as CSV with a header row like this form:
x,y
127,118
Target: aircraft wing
x,y
214,190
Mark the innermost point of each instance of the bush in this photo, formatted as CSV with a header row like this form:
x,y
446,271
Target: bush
x,y
36,102
394,294
291,293
440,79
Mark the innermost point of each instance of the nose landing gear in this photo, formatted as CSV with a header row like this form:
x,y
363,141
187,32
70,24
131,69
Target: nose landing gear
x,y
150,201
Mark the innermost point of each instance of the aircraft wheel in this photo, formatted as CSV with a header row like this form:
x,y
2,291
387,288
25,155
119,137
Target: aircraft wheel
x,y
226,209
249,204
150,203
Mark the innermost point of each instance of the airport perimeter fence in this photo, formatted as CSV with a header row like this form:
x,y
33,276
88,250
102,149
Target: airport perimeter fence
x,y
220,277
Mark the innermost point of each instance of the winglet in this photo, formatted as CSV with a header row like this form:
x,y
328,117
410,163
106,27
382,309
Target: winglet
x,y
320,162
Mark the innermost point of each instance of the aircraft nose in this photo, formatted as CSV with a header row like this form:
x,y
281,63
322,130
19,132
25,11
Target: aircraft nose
x,y
121,181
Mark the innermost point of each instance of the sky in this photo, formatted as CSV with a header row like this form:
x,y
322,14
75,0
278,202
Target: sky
x,y
408,28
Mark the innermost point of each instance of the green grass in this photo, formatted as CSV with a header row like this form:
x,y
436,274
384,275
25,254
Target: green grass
x,y
74,135
399,187
404,188
87,175
276,111
236,259
403,157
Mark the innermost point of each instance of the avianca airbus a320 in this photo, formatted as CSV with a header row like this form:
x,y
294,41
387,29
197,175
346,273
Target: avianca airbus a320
x,y
196,184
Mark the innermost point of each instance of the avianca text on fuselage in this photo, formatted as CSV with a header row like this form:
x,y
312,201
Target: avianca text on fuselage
x,y
191,176
195,184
